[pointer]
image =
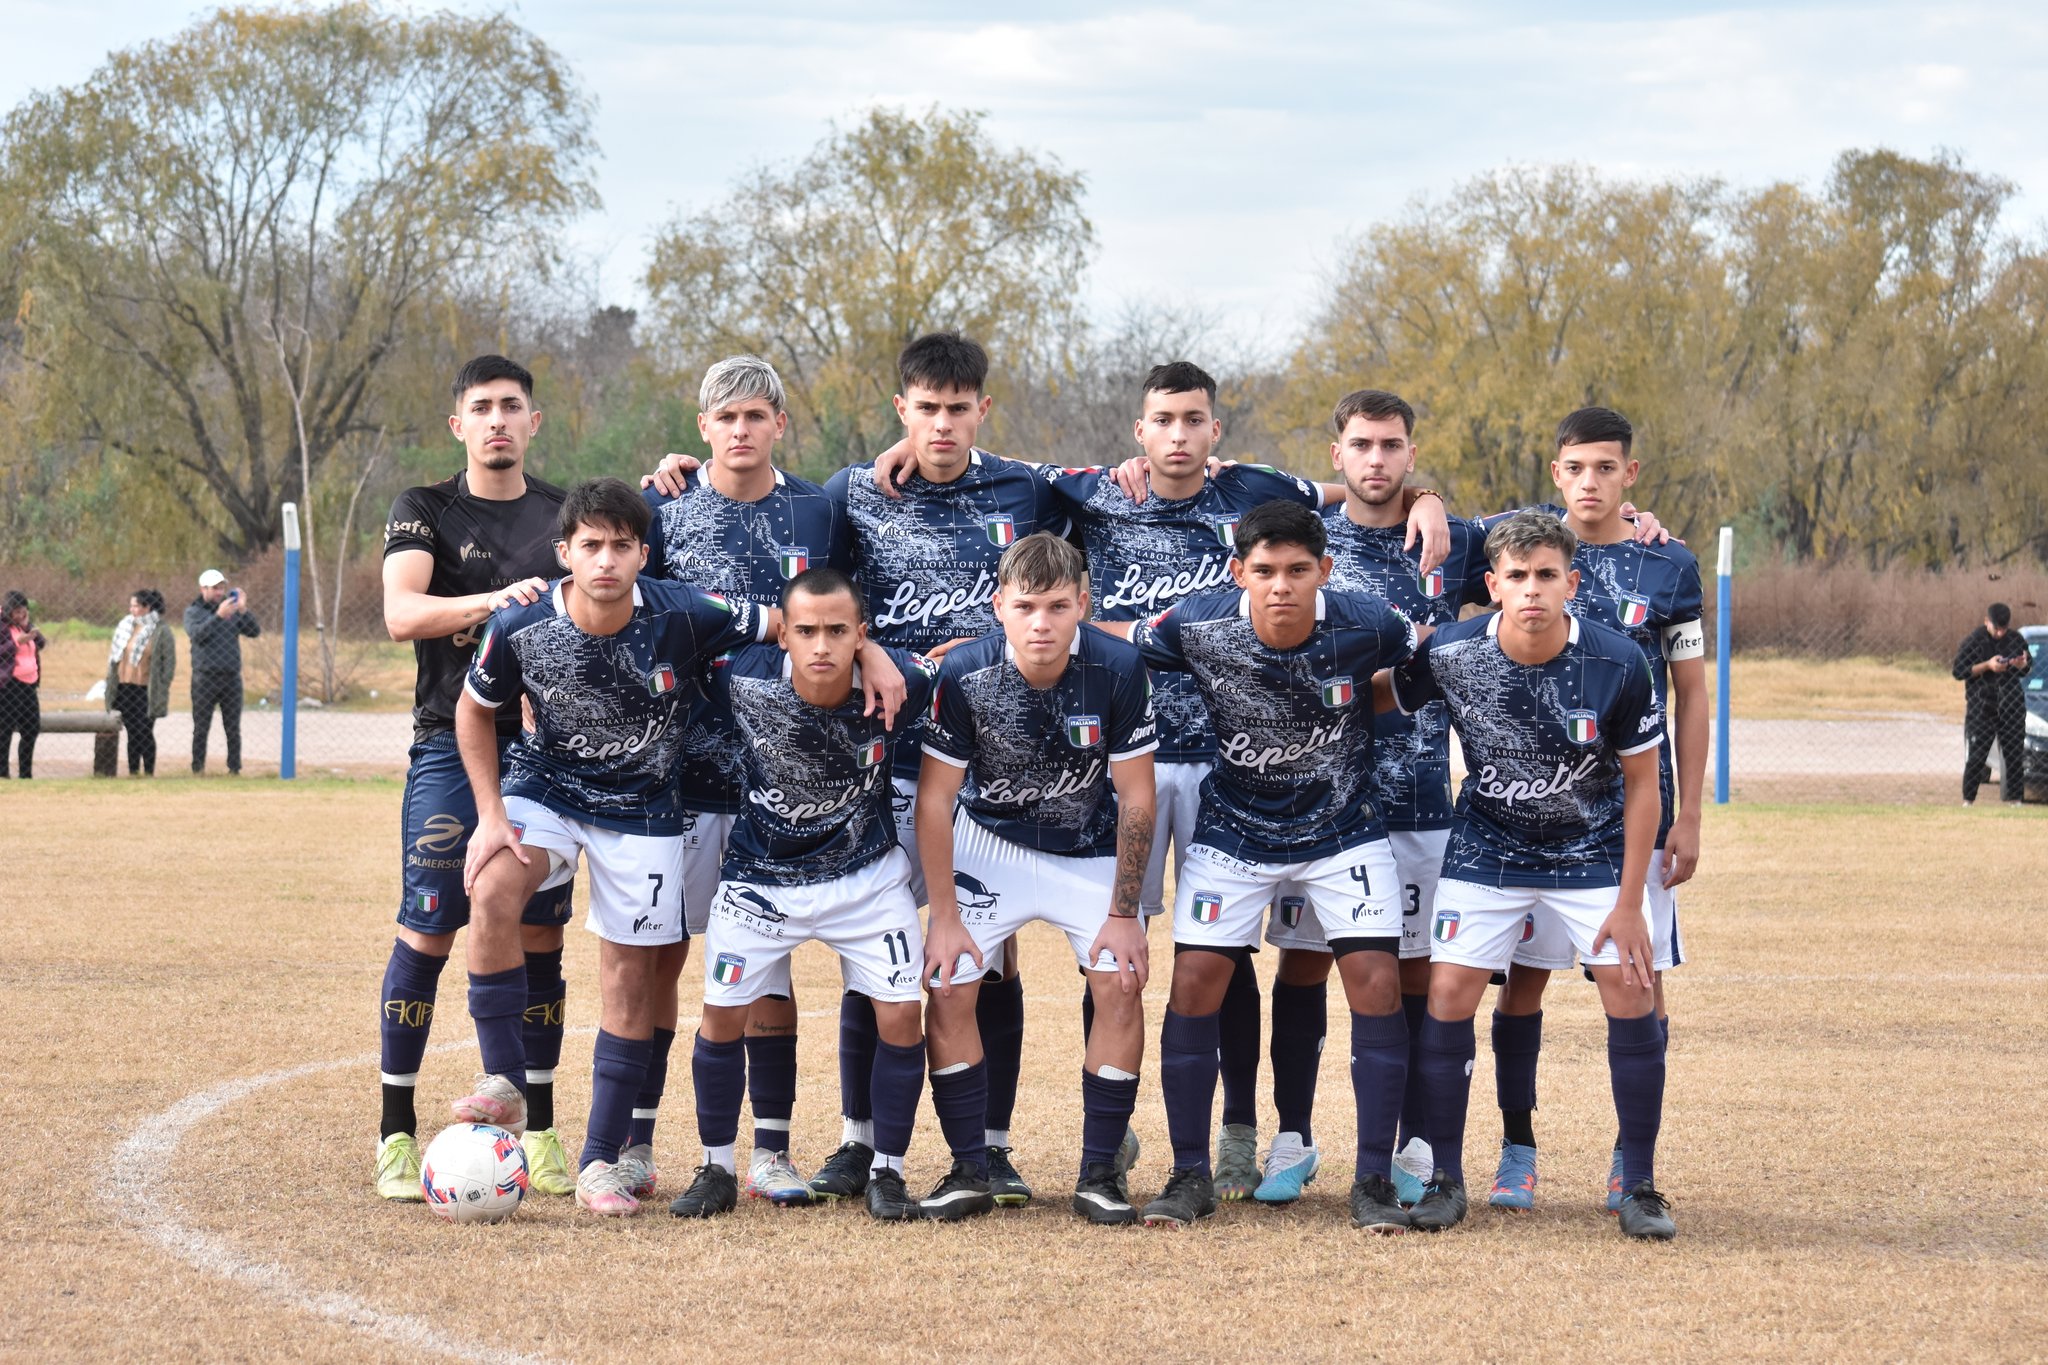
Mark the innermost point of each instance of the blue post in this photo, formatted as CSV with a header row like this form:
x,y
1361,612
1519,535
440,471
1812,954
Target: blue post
x,y
288,755
1724,594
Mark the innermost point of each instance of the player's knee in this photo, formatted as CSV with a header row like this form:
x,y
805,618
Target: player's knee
x,y
427,945
898,1023
722,1023
1301,967
1201,975
540,938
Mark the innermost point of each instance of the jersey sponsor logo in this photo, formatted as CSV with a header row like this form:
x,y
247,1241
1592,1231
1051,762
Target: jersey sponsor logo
x,y
1582,726
972,893
1226,531
1290,910
1446,927
801,812
1632,611
1647,723
441,834
1241,750
906,608
1084,732
1134,589
582,746
409,528
744,900
647,924
471,550
729,968
662,679
1337,692
1066,784
1490,784
871,752
1432,583
795,559
1208,907
1001,528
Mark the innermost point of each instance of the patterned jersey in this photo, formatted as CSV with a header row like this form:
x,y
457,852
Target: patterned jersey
x,y
1411,754
1037,759
927,561
1542,800
1144,557
1293,726
608,709
743,551
1652,594
816,780
478,545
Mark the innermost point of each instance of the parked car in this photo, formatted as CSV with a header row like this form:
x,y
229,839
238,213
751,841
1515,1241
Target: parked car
x,y
2037,713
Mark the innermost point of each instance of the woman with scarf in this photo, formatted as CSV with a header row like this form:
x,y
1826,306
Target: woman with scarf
x,y
140,667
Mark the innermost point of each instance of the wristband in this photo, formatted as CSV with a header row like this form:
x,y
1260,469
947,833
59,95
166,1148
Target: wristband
x,y
1114,914
1427,493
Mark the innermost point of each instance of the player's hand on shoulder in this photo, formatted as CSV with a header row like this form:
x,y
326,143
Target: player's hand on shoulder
x,y
1134,476
1649,530
882,684
894,468
1429,526
945,647
668,476
525,592
946,941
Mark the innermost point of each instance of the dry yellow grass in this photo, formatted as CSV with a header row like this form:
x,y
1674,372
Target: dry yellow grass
x,y
1787,687
1853,1135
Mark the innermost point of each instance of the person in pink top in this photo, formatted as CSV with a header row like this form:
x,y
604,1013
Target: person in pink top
x,y
21,660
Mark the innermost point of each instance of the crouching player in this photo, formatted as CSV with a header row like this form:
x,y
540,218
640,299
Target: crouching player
x,y
605,661
812,855
1557,818
1034,727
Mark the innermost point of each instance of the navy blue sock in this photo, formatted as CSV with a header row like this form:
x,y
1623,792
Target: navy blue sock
x,y
1664,1026
540,1028
999,1010
1379,1073
1106,1108
648,1104
960,1098
771,1088
719,1074
1300,1019
1087,1014
404,1015
1635,1067
1447,1053
1517,1039
618,1069
1187,1080
1238,1057
856,1055
1414,1113
898,1085
497,1000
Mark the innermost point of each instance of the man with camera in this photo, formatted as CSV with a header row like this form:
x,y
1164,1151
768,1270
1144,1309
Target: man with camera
x,y
215,624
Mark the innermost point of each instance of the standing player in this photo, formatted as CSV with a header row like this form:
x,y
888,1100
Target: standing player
x,y
1034,728
742,528
1650,593
812,855
601,660
454,552
1283,667
1557,816
926,561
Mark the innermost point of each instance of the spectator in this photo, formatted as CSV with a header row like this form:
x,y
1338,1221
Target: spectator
x,y
1991,662
215,624
140,667
21,671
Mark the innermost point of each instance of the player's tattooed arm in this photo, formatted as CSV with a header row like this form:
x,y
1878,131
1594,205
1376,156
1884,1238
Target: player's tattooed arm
x,y
1134,830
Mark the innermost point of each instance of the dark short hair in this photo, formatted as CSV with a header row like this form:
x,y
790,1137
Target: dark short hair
x,y
942,360
1041,562
824,581
1529,530
1280,523
489,369
1590,426
1998,614
1180,376
604,502
1376,404
16,599
151,599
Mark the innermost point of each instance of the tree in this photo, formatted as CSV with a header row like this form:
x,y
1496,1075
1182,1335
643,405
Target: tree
x,y
220,243
893,227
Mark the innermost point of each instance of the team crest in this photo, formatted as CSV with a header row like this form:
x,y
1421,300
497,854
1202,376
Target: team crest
x,y
1084,732
795,559
1632,611
729,968
1528,927
1226,532
1432,583
1582,726
1446,925
1337,692
662,679
871,753
1208,907
1001,528
1290,910
426,902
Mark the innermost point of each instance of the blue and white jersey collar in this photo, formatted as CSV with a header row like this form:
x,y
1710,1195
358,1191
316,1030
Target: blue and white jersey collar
x,y
562,602
1493,628
1244,605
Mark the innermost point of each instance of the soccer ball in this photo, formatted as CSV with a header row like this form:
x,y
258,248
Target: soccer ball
x,y
474,1173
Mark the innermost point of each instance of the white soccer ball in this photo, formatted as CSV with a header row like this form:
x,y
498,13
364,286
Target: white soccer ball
x,y
474,1173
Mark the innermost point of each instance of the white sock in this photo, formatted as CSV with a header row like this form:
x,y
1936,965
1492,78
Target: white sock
x,y
997,1137
857,1130
888,1163
720,1156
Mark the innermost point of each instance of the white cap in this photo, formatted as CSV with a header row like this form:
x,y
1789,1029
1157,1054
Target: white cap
x,y
212,578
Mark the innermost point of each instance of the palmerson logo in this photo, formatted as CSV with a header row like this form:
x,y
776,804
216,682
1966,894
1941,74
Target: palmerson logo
x,y
443,833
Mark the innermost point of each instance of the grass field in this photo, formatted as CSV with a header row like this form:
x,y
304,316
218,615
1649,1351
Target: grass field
x,y
1853,1136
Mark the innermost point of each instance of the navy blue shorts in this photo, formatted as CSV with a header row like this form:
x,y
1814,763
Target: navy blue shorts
x,y
440,815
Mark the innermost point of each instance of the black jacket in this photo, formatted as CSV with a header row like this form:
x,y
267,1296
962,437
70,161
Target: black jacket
x,y
217,641
1988,689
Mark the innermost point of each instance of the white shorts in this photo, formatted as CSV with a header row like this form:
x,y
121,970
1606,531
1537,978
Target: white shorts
x,y
703,850
636,880
867,917
1546,945
1220,899
1179,799
1482,926
903,803
1003,886
1418,860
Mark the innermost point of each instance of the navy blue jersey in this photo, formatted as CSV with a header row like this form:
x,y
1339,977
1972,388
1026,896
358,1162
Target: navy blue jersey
x,y
608,709
1038,759
478,545
927,561
816,779
1293,726
1144,557
1411,754
1542,799
745,552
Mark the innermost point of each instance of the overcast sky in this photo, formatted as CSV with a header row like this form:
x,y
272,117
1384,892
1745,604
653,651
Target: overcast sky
x,y
1227,154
